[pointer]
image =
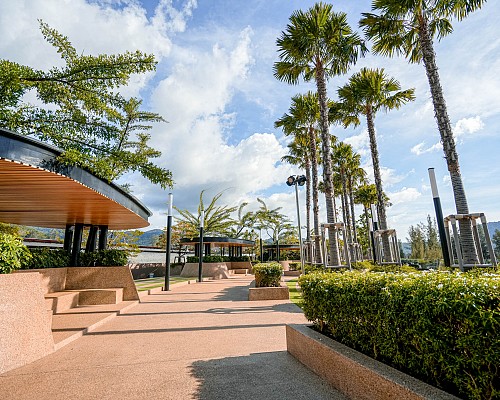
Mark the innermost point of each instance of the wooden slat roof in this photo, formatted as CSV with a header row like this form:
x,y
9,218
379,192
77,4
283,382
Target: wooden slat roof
x,y
35,196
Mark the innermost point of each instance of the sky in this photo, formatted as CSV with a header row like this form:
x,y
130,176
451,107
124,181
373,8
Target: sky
x,y
214,85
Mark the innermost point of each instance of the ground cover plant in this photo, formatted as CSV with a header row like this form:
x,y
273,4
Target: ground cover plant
x,y
12,253
441,327
268,274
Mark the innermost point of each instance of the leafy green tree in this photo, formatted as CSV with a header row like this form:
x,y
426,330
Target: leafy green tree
x,y
367,92
277,225
12,253
82,111
496,243
408,28
245,222
319,44
217,221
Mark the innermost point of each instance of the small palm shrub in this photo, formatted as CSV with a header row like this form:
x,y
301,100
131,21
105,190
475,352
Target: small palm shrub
x,y
268,274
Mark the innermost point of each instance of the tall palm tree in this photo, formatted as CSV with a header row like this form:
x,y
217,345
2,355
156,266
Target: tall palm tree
x,y
408,28
298,154
318,44
303,116
367,92
366,195
357,177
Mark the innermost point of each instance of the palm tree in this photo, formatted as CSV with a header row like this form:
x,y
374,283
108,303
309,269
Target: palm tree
x,y
316,45
408,28
217,220
366,195
357,177
367,92
303,117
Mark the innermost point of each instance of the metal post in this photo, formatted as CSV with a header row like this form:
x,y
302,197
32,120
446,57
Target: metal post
x,y
169,240
200,260
261,247
300,233
377,258
488,240
439,218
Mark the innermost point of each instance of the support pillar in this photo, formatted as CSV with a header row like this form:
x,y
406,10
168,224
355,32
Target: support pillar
x,y
77,245
68,237
92,240
103,237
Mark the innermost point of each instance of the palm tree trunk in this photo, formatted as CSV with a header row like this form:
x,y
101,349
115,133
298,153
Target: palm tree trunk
x,y
370,255
382,217
353,215
308,205
327,163
443,121
314,167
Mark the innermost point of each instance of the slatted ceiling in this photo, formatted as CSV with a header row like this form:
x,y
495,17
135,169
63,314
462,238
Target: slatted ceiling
x,y
36,197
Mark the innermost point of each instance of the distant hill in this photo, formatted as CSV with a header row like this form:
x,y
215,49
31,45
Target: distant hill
x,y
148,238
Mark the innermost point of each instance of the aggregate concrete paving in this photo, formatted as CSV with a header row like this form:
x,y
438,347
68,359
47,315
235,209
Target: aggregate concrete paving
x,y
202,341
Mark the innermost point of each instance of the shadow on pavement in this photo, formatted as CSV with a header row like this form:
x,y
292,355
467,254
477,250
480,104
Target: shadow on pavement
x,y
269,376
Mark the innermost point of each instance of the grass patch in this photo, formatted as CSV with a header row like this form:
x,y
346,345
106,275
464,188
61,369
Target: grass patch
x,y
295,292
152,283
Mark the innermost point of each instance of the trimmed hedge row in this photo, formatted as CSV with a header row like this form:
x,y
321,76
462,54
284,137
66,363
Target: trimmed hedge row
x,y
268,274
214,259
440,327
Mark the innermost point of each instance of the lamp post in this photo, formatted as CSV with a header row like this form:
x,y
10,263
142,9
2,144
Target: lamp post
x,y
169,240
439,217
298,180
200,260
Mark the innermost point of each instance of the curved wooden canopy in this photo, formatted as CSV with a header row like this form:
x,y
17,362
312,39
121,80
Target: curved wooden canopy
x,y
37,191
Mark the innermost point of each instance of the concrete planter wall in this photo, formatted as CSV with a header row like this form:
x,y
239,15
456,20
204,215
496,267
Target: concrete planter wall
x,y
268,293
358,376
25,324
209,270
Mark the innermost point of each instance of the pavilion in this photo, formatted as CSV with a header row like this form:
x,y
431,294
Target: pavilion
x,y
37,190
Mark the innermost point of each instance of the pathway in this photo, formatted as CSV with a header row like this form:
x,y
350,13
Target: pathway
x,y
201,341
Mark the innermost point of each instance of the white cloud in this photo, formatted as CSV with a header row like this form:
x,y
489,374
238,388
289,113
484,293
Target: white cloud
x,y
467,126
405,195
419,149
360,143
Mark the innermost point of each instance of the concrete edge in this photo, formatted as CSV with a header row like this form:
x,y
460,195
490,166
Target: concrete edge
x,y
159,289
353,373
269,293
94,326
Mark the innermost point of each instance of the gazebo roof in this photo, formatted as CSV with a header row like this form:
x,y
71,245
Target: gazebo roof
x,y
220,241
36,190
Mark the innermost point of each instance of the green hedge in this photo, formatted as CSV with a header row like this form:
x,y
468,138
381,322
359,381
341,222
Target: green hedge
x,y
437,326
12,253
46,258
104,258
267,274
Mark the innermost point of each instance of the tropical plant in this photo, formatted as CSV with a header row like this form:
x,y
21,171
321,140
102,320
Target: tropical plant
x,y
217,220
268,274
277,225
243,224
317,45
367,92
408,28
302,119
12,253
366,195
82,113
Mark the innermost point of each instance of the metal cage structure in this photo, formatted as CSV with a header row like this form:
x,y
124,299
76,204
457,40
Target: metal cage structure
x,y
339,227
453,241
394,256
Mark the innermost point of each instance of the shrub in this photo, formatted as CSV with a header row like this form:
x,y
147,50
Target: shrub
x,y
439,327
12,253
267,274
310,268
45,257
104,258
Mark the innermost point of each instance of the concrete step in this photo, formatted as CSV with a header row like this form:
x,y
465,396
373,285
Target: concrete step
x,y
100,296
61,301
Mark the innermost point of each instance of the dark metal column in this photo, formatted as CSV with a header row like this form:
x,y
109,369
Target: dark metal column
x,y
77,245
103,237
68,237
91,241
169,241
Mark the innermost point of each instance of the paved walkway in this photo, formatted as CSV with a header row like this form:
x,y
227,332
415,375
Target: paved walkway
x,y
201,341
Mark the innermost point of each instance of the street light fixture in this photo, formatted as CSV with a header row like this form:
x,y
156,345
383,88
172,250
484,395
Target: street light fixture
x,y
200,260
299,180
168,240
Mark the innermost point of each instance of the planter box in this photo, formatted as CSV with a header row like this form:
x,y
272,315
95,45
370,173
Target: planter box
x,y
352,373
268,293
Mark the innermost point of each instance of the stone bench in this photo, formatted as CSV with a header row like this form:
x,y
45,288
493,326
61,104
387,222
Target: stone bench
x,y
67,299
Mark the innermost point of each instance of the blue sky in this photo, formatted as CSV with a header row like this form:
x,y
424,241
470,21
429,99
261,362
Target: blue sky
x,y
214,85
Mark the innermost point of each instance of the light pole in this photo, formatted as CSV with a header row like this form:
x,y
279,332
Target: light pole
x,y
200,260
169,240
298,180
439,217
